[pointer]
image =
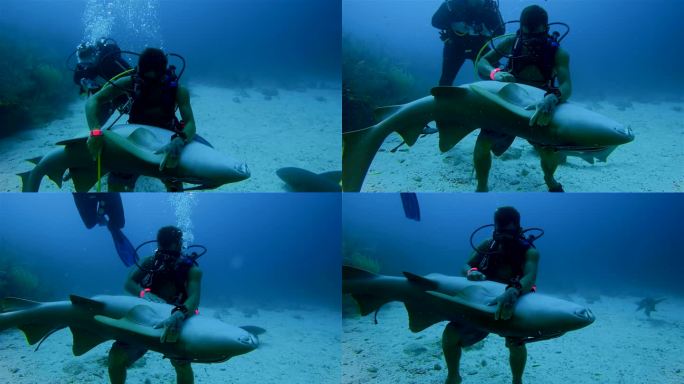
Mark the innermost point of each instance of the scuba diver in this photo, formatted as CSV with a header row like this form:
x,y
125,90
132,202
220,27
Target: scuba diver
x,y
106,209
156,94
534,58
169,277
508,258
96,64
465,26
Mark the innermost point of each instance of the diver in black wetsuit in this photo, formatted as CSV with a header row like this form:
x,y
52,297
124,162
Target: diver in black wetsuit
x,y
466,25
97,63
507,258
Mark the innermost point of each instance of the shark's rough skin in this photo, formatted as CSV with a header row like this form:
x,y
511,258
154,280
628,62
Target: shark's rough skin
x,y
130,149
434,298
93,321
497,106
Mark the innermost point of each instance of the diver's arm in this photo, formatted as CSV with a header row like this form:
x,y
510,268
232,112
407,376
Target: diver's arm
x,y
107,93
474,258
485,67
135,276
563,74
194,289
530,270
183,100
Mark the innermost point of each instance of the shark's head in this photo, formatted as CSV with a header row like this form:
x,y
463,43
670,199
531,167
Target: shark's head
x,y
584,128
553,317
206,166
208,340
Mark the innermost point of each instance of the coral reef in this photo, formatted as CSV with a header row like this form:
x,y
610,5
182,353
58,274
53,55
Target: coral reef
x,y
32,85
370,80
17,280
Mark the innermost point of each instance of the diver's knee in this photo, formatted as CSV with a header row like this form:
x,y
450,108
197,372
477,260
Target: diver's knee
x,y
118,358
451,337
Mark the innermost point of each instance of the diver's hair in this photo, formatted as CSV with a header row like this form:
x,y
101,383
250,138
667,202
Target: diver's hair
x,y
169,236
152,59
506,215
533,16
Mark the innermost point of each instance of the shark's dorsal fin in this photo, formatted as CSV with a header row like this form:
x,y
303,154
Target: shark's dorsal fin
x,y
35,160
424,282
35,332
352,273
419,318
448,92
85,340
57,176
382,113
9,304
86,303
83,178
516,95
334,176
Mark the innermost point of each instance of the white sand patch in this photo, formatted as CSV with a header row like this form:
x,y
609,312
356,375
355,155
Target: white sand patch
x,y
299,346
621,347
653,162
292,129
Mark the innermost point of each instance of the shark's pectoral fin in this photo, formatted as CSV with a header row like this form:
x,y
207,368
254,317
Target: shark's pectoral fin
x,y
78,140
463,302
85,340
511,98
131,327
83,178
86,303
420,317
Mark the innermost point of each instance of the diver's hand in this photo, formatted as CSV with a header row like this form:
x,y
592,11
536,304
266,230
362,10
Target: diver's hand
x,y
543,110
172,326
459,27
476,276
94,144
153,298
506,77
171,153
505,304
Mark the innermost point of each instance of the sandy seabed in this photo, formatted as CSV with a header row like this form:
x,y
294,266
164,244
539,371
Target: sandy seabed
x,y
621,347
300,346
295,128
653,162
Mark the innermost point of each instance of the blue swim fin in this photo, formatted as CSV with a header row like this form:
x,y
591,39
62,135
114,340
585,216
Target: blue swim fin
x,y
411,208
124,248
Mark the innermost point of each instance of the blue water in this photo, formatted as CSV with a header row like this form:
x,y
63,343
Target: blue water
x,y
263,40
273,248
615,46
611,243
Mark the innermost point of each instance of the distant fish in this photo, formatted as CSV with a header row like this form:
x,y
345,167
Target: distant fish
x,y
648,305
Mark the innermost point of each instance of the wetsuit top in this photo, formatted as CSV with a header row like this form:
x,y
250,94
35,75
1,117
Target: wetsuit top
x,y
176,275
108,63
154,105
542,57
504,267
459,11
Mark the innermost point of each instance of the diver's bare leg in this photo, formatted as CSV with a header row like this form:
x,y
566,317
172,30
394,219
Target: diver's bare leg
x,y
451,345
517,359
184,374
482,159
549,163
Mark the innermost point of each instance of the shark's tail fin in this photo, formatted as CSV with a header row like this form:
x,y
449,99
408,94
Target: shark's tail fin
x,y
11,316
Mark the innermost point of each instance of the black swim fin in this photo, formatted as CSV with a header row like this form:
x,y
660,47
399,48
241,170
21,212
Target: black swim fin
x,y
124,248
411,208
